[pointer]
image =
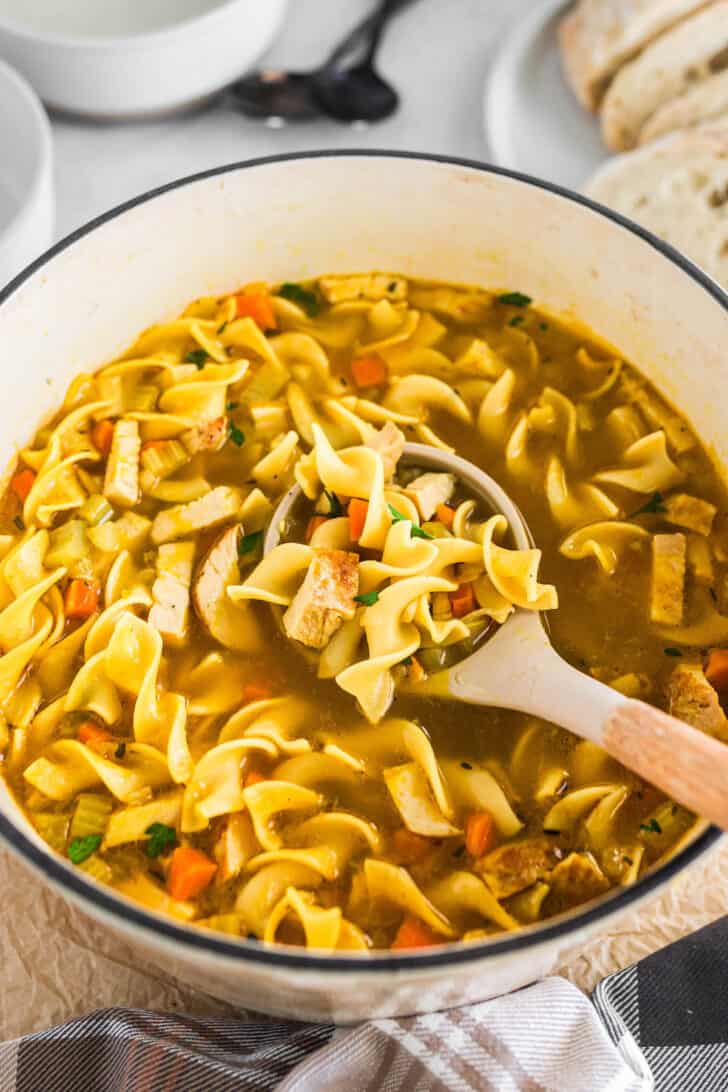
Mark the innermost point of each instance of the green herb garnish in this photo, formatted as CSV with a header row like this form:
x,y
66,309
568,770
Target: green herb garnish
x,y
296,293
515,299
466,765
81,849
251,542
368,598
654,505
221,329
161,838
18,521
197,357
672,651
628,860
392,286
232,406
335,509
416,531
543,325
516,320
120,751
237,436
651,827
407,662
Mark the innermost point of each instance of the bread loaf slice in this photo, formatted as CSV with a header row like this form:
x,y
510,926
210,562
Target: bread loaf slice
x,y
689,53
706,101
598,36
676,187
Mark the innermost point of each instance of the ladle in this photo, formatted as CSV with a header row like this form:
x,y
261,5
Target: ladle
x,y
517,668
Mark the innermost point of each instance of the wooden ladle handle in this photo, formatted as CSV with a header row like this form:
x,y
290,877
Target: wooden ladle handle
x,y
688,765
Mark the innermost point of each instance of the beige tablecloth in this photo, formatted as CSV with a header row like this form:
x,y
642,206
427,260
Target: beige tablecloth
x,y
57,963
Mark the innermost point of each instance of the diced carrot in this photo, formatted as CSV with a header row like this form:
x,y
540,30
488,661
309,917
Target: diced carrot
x,y
408,847
415,670
480,833
22,483
413,933
716,669
253,777
369,371
92,735
357,513
462,601
445,514
82,598
255,692
189,873
258,306
102,434
313,525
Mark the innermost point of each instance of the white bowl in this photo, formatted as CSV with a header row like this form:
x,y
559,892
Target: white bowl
x,y
294,217
136,58
26,175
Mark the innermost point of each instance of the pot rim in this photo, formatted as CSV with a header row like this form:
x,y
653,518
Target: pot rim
x,y
156,927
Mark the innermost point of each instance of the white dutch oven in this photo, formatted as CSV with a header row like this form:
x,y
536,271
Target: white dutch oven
x,y
290,218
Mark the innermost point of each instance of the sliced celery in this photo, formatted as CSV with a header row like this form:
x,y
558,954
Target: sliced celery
x,y
91,815
96,510
53,828
97,867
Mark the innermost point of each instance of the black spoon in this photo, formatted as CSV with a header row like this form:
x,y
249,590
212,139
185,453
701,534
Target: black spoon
x,y
346,87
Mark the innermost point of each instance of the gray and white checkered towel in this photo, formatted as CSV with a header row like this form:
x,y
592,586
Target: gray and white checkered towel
x,y
546,1038
660,1026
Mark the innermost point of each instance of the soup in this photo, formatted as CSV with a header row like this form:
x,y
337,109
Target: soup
x,y
253,744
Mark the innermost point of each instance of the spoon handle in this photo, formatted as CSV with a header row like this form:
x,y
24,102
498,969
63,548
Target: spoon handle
x,y
518,669
360,44
688,765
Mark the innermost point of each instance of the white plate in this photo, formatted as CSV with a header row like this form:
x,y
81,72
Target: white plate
x,y
26,175
533,122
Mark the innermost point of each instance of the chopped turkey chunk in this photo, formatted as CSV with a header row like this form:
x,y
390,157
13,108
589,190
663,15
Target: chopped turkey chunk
x,y
121,482
460,305
429,491
575,879
389,441
208,436
325,599
690,512
171,591
691,698
515,866
668,579
371,286
216,507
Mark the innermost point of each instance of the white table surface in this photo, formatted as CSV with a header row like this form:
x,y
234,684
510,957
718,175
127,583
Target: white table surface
x,y
436,52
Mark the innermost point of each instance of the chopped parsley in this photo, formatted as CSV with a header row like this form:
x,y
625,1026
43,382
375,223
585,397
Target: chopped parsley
x,y
120,751
251,542
515,299
407,662
296,293
18,521
628,860
368,599
81,849
653,506
543,325
672,651
392,286
651,827
237,436
516,320
416,532
161,838
335,509
466,765
221,329
197,357
232,406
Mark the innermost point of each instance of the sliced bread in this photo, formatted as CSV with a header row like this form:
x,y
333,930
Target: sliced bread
x,y
689,53
598,36
676,187
706,101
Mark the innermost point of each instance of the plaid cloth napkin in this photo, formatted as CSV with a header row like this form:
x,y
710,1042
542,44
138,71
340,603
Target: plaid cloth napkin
x,y
663,1027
